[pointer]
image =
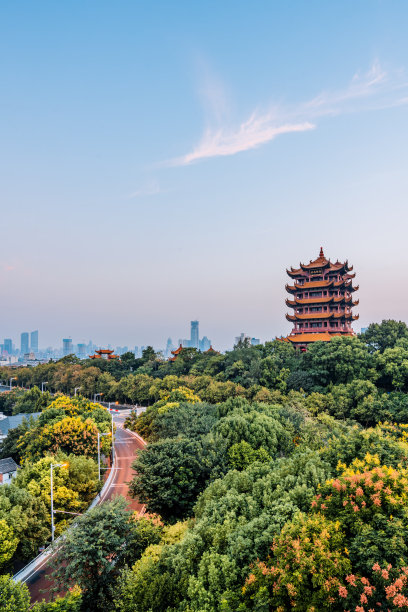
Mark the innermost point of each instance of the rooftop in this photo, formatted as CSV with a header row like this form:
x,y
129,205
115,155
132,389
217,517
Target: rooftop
x,y
319,337
11,422
8,465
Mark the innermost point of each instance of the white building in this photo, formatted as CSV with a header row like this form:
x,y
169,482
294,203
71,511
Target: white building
x,y
8,469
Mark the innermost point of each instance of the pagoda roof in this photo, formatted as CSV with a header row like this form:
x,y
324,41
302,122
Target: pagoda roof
x,y
211,351
178,350
334,299
304,338
347,284
320,262
313,285
100,352
313,316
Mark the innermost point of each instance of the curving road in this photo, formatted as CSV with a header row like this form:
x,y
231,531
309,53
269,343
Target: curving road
x,y
127,445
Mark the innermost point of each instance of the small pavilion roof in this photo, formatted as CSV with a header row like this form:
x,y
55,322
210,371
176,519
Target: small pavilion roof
x,y
178,350
211,351
109,352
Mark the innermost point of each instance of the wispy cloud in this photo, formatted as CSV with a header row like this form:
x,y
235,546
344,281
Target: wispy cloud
x,y
374,90
149,189
257,130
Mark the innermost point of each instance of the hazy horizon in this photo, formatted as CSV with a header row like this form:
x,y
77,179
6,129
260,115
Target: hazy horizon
x,y
167,162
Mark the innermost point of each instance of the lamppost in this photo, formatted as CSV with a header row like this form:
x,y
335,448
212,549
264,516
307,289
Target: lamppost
x,y
42,385
99,452
53,465
11,382
113,438
75,390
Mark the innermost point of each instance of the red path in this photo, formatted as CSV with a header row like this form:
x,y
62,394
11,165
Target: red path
x,y
127,445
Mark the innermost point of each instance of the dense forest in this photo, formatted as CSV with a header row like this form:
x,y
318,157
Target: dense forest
x,y
272,479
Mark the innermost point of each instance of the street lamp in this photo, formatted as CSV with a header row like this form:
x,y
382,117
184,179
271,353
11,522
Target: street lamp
x,y
113,438
75,390
99,452
42,385
53,465
11,382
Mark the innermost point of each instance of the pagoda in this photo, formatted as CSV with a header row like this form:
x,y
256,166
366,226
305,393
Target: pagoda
x,y
104,354
176,353
211,351
321,301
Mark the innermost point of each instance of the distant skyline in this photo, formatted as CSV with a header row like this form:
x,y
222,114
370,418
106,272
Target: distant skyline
x,y
163,162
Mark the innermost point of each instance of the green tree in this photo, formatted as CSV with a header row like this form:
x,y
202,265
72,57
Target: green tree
x,y
304,571
94,553
380,336
154,583
70,603
241,455
258,429
14,596
27,515
369,500
169,476
393,366
340,361
32,401
74,486
8,542
236,519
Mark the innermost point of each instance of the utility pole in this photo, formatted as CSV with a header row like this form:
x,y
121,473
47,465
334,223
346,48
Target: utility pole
x,y
53,465
99,452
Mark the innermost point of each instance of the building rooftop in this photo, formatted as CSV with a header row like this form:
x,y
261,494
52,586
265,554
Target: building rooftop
x,y
8,465
15,420
312,337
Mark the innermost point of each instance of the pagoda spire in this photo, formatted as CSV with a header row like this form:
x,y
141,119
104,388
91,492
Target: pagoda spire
x,y
321,254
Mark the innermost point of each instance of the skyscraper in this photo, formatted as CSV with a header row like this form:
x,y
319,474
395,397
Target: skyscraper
x,y
194,335
34,341
205,344
67,348
24,345
81,350
8,346
169,347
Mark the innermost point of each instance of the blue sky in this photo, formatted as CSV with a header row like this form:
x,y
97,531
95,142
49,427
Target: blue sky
x,y
162,162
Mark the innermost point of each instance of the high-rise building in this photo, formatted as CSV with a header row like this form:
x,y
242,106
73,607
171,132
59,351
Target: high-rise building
x,y
81,350
204,344
321,301
67,348
255,341
24,343
242,340
169,347
194,334
8,346
34,341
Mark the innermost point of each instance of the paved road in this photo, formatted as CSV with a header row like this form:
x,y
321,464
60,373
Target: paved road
x,y
127,444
